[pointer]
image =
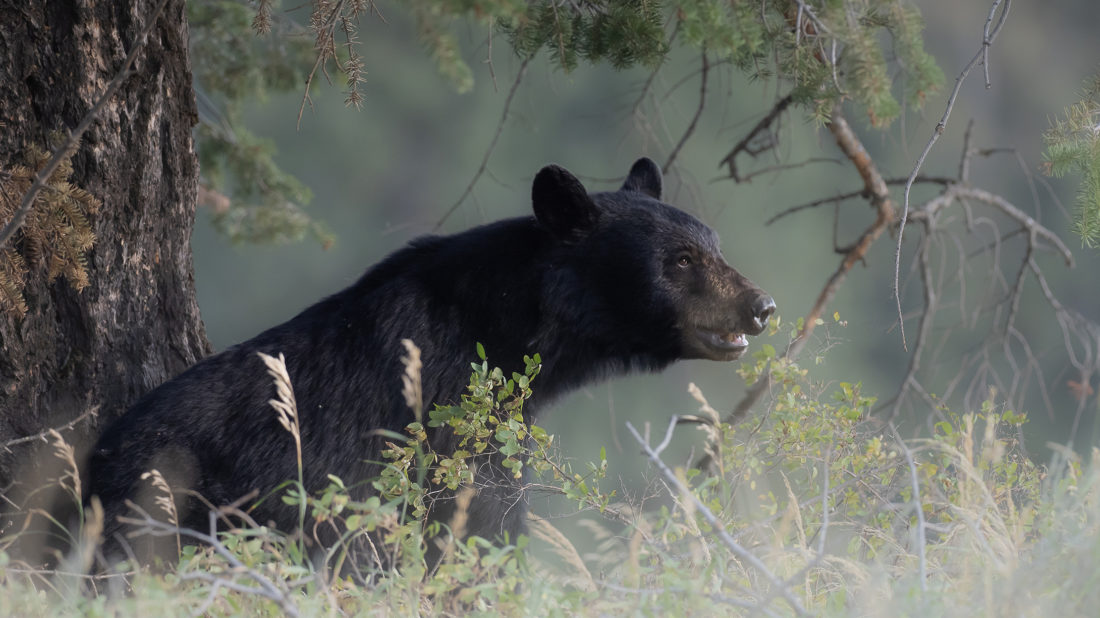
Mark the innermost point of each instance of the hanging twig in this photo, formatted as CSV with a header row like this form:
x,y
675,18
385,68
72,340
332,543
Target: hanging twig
x,y
694,119
490,149
987,40
930,299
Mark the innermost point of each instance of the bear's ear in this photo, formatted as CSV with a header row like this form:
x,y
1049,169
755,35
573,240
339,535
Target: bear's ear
x,y
644,177
562,204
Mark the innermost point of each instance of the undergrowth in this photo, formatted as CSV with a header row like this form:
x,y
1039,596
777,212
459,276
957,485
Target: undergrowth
x,y
813,507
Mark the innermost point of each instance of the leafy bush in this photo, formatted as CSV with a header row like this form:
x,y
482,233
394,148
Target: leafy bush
x,y
813,507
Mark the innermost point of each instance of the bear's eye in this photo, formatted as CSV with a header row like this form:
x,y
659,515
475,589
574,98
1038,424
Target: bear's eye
x,y
684,260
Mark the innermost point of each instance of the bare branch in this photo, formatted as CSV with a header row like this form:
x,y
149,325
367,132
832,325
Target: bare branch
x,y
771,169
267,588
940,180
987,40
717,524
875,187
955,192
492,145
668,436
695,119
918,507
42,435
964,160
745,145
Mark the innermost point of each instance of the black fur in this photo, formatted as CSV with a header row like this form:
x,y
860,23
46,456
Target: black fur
x,y
598,284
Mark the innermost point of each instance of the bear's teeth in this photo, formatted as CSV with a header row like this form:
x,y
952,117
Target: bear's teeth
x,y
737,339
733,337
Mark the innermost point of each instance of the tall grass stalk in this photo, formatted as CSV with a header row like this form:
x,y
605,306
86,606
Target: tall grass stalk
x,y
287,410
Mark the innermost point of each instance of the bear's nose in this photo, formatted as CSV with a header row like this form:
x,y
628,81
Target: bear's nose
x,y
762,309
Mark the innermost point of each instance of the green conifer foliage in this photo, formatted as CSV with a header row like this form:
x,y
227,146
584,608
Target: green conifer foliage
x,y
253,199
1073,146
821,51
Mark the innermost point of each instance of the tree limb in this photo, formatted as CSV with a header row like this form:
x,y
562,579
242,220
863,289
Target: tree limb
x,y
874,186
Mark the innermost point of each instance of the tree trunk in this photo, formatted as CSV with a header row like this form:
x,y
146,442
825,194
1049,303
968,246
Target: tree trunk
x,y
136,323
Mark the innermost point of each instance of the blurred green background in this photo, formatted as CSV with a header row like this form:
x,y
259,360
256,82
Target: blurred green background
x,y
387,173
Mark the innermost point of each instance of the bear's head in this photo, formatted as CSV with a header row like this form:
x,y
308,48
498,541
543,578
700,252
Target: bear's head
x,y
653,272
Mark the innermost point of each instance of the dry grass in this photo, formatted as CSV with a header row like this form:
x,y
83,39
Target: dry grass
x,y
414,396
165,500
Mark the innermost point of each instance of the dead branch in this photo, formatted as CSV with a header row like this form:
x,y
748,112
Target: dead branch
x,y
918,508
982,364
90,413
879,194
940,180
715,523
746,143
930,300
266,588
492,145
957,192
987,40
694,119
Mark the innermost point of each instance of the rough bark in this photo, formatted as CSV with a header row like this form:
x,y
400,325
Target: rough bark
x,y
136,323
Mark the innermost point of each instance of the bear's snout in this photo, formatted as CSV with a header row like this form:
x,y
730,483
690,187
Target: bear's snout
x,y
761,308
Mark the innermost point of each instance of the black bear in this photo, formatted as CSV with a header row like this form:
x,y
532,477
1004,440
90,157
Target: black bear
x,y
598,284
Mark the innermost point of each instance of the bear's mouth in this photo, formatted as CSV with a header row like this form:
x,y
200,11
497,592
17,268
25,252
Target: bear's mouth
x,y
722,345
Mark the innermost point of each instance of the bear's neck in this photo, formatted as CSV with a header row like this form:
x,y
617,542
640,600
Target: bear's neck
x,y
514,300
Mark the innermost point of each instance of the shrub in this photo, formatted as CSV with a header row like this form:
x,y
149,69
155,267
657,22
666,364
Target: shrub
x,y
813,507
